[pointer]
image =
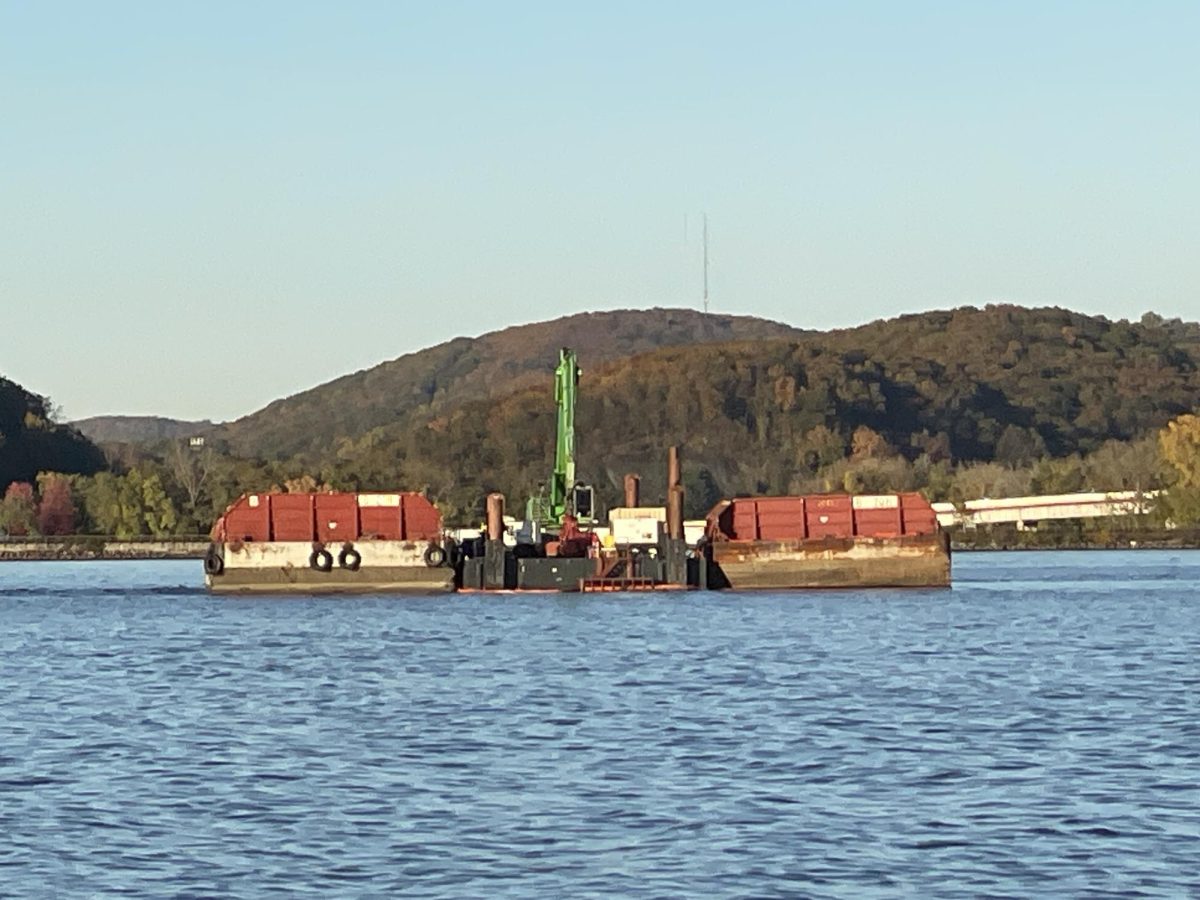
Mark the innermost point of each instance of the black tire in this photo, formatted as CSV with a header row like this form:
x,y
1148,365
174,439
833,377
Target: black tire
x,y
214,564
321,560
350,559
435,556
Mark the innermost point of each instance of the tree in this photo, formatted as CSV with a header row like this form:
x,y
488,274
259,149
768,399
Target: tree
x,y
17,513
305,484
979,480
1120,466
872,475
701,491
820,447
191,467
1019,446
129,505
157,510
56,508
1058,476
866,443
1179,444
101,499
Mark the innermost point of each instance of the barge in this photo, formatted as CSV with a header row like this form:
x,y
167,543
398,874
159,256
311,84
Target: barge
x,y
330,543
826,540
379,542
395,543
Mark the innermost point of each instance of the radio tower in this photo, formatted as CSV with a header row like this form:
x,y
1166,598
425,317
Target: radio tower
x,y
705,232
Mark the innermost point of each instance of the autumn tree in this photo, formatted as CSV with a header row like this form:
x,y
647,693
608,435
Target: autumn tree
x,y
305,484
866,443
56,507
17,512
1179,444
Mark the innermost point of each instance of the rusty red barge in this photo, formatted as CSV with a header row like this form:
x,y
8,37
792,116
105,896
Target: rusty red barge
x,y
396,543
329,543
826,540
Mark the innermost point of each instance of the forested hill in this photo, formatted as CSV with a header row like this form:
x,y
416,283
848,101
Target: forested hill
x,y
1002,383
138,429
1069,380
960,404
30,442
459,370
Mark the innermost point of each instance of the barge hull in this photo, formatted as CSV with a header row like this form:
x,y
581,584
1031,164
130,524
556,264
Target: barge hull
x,y
391,580
861,563
916,561
286,567
329,543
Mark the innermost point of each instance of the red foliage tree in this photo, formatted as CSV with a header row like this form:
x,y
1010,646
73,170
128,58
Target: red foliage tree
x,y
56,511
17,510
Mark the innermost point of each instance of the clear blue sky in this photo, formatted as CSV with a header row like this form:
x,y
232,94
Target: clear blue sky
x,y
205,206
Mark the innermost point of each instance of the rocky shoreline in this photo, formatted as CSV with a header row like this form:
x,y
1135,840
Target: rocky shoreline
x,y
91,547
1062,539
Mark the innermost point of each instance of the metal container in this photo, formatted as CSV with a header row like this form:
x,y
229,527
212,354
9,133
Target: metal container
x,y
826,540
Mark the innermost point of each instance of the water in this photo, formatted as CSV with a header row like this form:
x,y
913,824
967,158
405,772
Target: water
x,y
1033,731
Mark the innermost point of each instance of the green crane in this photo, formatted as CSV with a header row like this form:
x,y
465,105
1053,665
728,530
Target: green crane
x,y
566,380
565,495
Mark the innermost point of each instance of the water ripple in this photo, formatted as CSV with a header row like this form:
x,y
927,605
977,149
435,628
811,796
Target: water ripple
x,y
1033,731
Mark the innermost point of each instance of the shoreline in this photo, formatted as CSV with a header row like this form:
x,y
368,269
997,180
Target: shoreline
x,y
1158,539
92,547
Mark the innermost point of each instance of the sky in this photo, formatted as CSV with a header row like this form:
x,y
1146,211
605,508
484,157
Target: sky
x,y
205,206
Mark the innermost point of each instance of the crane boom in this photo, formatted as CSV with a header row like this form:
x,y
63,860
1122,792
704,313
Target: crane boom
x,y
566,380
563,495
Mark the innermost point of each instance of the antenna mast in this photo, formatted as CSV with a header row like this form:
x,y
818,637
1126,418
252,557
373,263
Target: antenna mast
x,y
706,262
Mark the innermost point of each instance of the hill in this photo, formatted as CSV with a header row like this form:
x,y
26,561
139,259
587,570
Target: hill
x,y
138,429
311,422
1001,383
30,442
958,403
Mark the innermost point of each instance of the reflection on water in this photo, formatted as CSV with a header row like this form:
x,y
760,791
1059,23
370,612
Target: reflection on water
x,y
1034,730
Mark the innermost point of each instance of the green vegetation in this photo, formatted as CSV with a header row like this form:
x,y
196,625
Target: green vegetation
x,y
31,442
959,404
138,429
493,365
964,403
1179,446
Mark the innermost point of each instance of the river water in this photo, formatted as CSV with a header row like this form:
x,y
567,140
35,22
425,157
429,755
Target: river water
x,y
1033,731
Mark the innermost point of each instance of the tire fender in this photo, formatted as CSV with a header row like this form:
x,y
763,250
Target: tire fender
x,y
321,560
214,563
349,559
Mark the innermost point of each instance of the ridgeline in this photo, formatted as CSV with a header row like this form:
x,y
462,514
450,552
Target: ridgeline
x,y
995,400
